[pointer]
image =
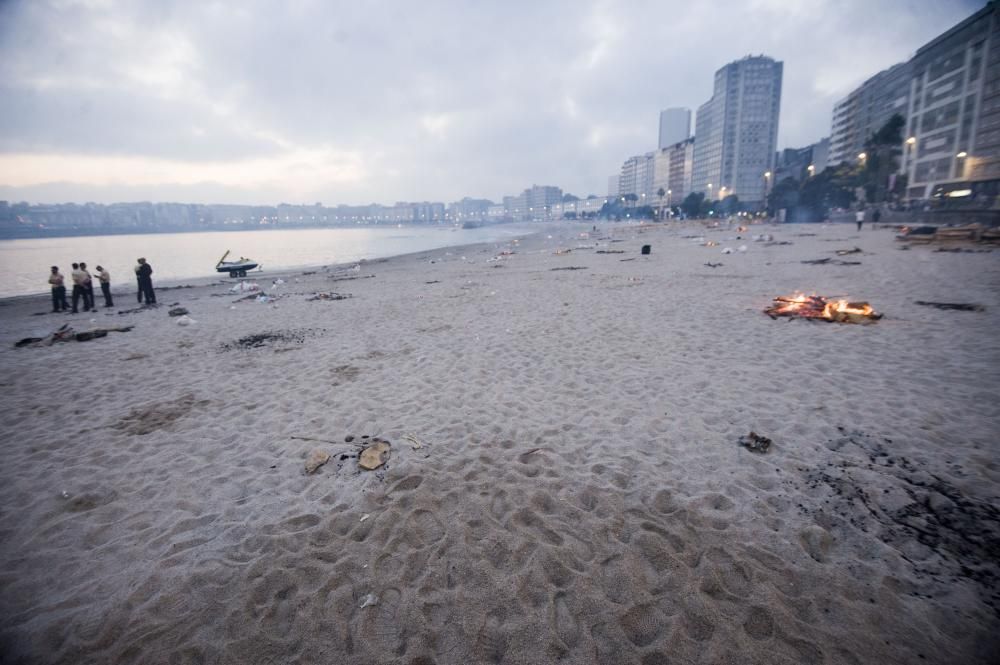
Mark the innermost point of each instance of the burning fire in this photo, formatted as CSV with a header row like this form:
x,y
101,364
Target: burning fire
x,y
818,307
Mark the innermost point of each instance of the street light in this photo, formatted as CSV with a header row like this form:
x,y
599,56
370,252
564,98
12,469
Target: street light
x,y
962,155
709,191
812,170
911,140
862,156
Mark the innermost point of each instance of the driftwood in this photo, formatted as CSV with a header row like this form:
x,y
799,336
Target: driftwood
x,y
829,261
347,278
845,252
960,306
67,334
570,268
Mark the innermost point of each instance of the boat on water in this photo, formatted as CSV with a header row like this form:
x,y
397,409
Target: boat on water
x,y
235,268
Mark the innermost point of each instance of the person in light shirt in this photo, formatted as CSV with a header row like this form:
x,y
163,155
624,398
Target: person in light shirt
x,y
105,278
58,284
80,278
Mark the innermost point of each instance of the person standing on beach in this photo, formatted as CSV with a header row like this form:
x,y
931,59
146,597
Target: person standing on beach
x,y
105,278
146,282
138,284
859,217
89,285
58,283
79,288
877,215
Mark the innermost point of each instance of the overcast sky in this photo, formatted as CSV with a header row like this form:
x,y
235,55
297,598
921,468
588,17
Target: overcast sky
x,y
358,102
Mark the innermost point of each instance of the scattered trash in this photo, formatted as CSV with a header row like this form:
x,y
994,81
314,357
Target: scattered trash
x,y
245,287
316,459
776,243
755,443
562,251
370,599
570,268
960,306
414,442
845,252
713,265
65,333
610,251
185,321
364,517
763,237
646,249
136,356
727,250
742,248
178,311
330,295
374,455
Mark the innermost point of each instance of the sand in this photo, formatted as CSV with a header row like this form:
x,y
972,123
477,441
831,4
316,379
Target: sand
x,y
565,481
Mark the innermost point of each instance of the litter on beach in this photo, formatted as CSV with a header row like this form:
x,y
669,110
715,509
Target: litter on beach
x,y
331,295
67,334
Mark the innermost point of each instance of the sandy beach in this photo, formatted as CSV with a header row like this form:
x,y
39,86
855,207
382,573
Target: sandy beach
x,y
565,481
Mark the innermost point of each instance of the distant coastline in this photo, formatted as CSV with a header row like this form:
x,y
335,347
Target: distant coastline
x,y
35,233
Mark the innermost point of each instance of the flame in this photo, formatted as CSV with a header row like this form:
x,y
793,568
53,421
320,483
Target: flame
x,y
818,307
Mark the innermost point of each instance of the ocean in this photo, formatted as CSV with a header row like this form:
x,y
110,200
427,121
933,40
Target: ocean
x,y
25,264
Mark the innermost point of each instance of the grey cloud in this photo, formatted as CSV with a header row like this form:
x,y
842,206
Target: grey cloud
x,y
445,98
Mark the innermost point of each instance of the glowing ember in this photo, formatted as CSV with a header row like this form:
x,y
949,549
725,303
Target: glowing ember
x,y
818,307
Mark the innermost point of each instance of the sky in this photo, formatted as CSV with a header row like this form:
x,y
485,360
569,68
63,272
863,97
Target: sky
x,y
303,101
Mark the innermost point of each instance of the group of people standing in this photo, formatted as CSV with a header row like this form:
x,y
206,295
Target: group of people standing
x,y
83,287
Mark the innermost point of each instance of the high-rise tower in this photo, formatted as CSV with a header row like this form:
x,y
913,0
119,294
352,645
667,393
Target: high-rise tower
x,y
737,131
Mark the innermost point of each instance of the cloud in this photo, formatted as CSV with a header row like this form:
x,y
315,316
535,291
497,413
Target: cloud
x,y
360,102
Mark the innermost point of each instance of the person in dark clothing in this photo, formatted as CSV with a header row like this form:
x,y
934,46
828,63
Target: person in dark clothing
x,y
105,278
80,288
89,285
146,282
877,215
59,303
138,284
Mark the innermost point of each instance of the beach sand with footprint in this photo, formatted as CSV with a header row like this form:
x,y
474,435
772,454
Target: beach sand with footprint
x,y
565,482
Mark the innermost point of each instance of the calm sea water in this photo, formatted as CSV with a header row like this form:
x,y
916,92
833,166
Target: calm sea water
x,y
24,264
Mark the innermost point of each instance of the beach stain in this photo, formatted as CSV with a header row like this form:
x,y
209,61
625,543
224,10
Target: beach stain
x,y
148,418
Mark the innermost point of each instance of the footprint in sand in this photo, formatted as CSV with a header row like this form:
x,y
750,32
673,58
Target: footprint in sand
x,y
566,625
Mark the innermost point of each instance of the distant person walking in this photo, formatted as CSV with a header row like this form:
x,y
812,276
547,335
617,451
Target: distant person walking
x,y
877,215
146,282
79,278
89,285
105,278
859,217
58,283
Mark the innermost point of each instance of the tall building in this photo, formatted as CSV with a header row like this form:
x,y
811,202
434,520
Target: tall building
x,y
737,131
866,109
953,126
637,176
675,126
672,172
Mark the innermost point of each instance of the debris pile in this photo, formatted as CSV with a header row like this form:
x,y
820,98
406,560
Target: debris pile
x,y
67,334
818,308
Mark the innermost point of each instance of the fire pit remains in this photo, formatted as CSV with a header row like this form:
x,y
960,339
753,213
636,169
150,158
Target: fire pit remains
x,y
818,308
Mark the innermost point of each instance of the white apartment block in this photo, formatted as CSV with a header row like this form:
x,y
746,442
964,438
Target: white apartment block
x,y
953,126
737,131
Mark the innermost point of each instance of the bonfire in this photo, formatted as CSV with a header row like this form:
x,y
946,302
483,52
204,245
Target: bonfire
x,y
818,308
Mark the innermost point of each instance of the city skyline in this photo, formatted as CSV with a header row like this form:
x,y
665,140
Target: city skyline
x,y
245,104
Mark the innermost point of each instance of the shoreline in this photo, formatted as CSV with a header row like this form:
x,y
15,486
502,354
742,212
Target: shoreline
x,y
207,280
